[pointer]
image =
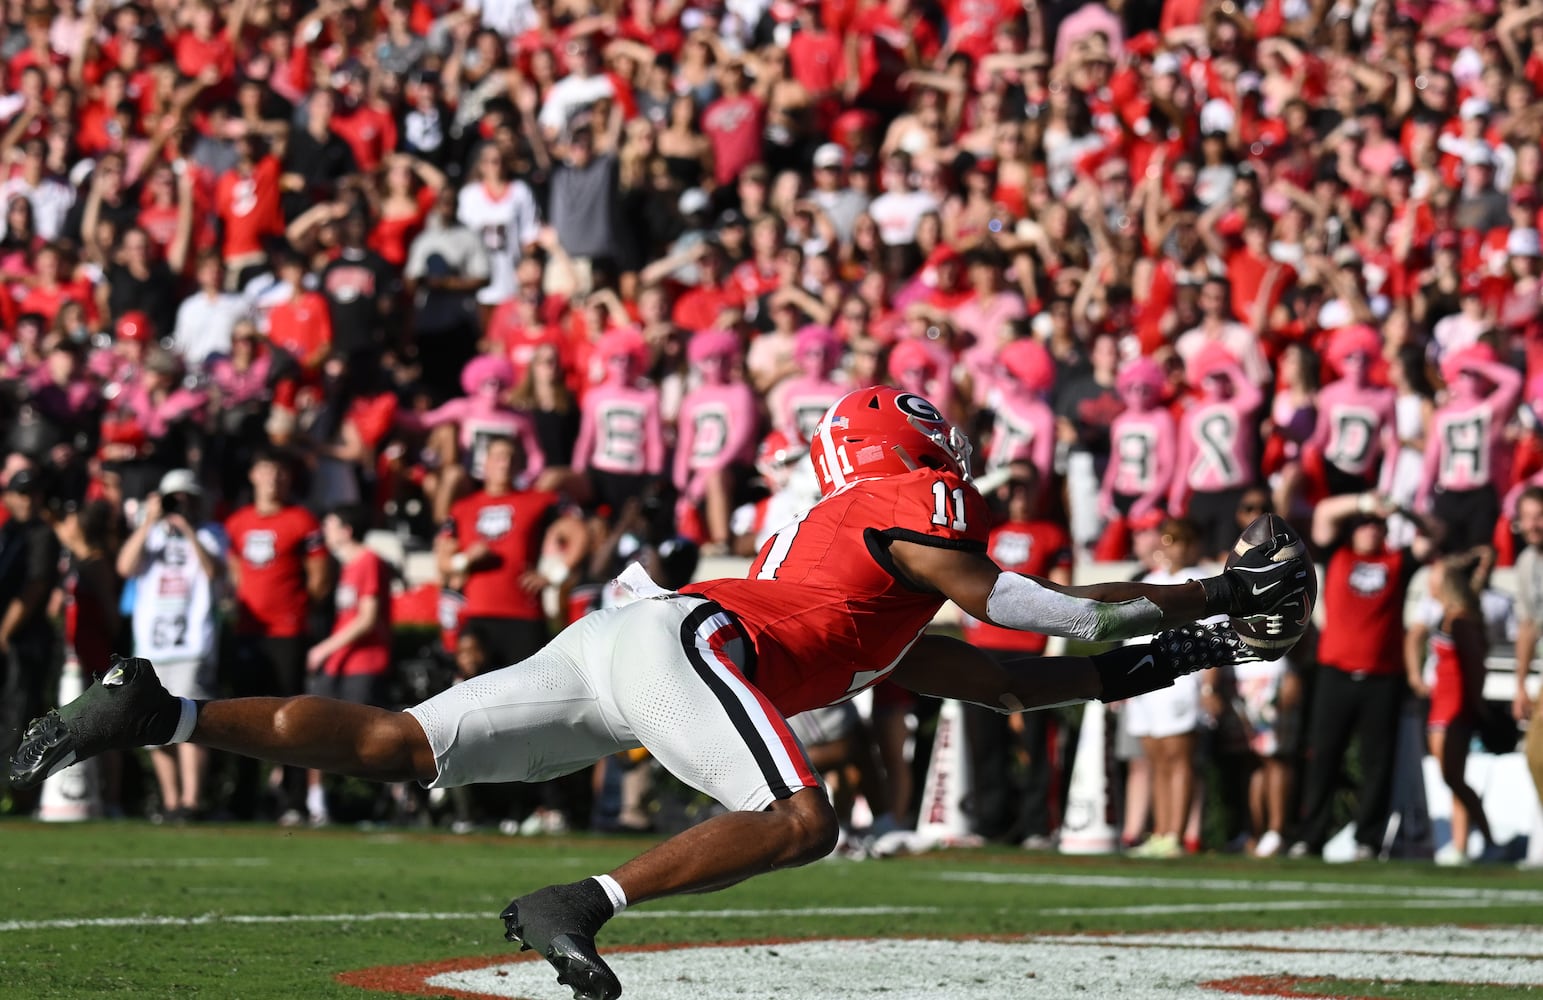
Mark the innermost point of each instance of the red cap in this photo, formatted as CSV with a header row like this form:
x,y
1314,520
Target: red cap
x,y
1150,521
135,327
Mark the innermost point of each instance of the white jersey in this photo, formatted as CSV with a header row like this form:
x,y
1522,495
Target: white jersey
x,y
506,225
174,597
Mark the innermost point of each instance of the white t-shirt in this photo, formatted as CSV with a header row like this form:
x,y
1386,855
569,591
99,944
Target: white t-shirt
x,y
506,225
898,213
174,598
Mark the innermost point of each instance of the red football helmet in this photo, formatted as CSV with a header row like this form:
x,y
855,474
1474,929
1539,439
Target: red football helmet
x,y
884,432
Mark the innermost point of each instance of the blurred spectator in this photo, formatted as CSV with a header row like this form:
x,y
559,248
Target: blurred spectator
x,y
29,570
1024,542
1359,687
447,264
1167,721
1529,609
354,662
206,318
502,211
279,567
1457,704
174,561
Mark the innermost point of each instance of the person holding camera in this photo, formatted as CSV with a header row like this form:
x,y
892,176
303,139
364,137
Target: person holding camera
x,y
175,564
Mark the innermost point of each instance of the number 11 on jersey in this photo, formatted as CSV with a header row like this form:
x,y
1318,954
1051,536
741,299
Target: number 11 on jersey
x,y
940,505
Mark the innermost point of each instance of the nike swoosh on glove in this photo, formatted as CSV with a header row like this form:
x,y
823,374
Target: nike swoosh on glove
x,y
1255,586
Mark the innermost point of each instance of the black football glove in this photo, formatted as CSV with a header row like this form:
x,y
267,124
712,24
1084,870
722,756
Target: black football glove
x,y
1131,670
1256,585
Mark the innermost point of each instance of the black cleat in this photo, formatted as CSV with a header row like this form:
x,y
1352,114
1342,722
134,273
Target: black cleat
x,y
560,922
127,708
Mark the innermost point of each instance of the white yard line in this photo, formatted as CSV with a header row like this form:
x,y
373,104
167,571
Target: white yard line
x,y
1254,886
88,862
208,919
1380,905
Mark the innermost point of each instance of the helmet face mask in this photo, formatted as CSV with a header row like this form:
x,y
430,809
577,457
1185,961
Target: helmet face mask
x,y
883,431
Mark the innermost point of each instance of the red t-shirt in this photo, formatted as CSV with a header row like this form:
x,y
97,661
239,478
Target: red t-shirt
x,y
249,207
192,54
512,526
370,654
369,132
733,125
301,326
826,612
698,309
1032,548
1363,608
270,553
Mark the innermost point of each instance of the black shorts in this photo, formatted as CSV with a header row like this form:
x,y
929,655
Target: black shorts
x,y
509,640
1123,502
1339,482
265,666
1469,516
1216,518
614,489
361,689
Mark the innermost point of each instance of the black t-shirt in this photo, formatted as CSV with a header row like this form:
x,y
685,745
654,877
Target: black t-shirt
x,y
320,163
354,284
29,553
155,295
1091,408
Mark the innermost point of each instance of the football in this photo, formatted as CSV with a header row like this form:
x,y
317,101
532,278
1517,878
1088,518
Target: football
x,y
1273,635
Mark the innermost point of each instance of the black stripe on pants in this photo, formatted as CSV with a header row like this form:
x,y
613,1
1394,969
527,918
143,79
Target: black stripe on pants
x,y
730,701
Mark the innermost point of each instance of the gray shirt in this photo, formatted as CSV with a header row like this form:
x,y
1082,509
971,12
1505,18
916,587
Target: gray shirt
x,y
448,251
1529,585
584,207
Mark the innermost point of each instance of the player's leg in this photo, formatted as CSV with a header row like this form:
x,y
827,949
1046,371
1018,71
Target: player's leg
x,y
130,708
722,737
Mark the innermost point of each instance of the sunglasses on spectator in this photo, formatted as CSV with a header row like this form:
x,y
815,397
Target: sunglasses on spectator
x,y
1251,508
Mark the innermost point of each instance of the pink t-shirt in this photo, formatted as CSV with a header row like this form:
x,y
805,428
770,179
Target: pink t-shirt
x,y
717,427
1142,449
619,431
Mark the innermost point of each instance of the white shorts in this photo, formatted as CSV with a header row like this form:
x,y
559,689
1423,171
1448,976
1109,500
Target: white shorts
x,y
1169,711
187,678
667,674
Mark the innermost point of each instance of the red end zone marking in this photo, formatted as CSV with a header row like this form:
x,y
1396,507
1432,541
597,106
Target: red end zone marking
x,y
414,979
1298,986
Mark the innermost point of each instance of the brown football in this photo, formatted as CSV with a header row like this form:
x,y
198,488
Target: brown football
x,y
1274,635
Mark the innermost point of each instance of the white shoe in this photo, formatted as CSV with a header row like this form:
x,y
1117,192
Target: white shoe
x,y
462,826
1299,850
510,828
1451,856
292,817
1269,845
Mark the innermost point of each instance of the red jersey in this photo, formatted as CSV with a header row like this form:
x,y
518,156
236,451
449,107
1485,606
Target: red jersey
x,y
1032,548
249,207
823,606
512,526
270,553
1363,612
370,654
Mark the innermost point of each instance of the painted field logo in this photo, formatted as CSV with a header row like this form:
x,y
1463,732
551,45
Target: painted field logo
x,y
1202,965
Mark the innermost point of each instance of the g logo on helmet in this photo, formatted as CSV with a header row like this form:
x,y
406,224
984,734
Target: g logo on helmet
x,y
913,405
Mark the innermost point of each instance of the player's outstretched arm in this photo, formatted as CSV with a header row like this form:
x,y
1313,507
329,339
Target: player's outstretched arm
x,y
1105,612
945,667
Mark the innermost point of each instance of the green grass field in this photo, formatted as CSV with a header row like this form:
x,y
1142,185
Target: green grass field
x,y
132,910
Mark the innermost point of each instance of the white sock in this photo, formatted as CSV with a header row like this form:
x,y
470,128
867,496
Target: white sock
x,y
613,892
316,800
186,722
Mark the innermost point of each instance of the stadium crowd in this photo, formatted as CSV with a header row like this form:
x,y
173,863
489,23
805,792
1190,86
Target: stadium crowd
x,y
543,287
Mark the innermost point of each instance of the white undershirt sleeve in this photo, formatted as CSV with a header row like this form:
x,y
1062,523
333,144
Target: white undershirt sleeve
x,y
1021,603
